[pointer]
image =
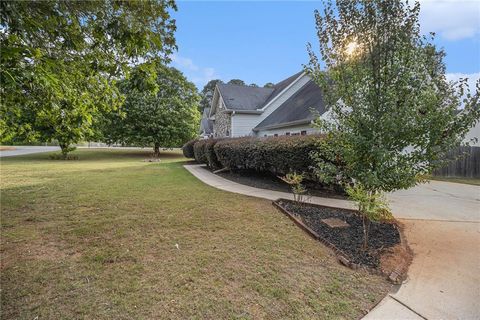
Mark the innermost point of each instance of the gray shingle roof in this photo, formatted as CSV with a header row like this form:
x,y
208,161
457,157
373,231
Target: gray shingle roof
x,y
237,97
206,125
297,107
279,87
206,112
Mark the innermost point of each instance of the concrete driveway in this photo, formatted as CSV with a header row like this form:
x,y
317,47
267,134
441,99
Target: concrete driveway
x,y
442,222
21,150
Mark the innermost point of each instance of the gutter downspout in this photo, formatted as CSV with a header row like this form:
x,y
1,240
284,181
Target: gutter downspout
x,y
231,127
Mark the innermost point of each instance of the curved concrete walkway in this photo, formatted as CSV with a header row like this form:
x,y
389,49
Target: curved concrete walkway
x,y
442,222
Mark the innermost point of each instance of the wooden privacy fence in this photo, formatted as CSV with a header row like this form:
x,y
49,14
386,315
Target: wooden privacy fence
x,y
467,166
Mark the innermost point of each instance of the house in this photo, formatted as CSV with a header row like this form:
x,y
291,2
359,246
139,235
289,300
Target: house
x,y
284,109
206,124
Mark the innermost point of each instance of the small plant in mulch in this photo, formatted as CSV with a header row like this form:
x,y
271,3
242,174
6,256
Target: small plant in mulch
x,y
298,189
343,231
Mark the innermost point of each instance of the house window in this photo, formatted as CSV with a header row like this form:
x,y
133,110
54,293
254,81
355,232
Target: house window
x,y
295,134
275,135
264,135
287,133
228,133
303,133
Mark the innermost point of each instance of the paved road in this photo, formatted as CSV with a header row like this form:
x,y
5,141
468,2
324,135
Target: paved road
x,y
21,150
442,221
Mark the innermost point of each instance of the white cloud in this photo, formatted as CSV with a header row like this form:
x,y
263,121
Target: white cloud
x,y
451,19
184,62
198,75
472,78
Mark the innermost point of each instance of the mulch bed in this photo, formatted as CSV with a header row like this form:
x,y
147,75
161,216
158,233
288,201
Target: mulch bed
x,y
271,182
387,253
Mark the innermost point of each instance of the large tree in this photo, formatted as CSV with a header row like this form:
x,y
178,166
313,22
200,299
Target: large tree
x,y
237,82
160,109
393,113
60,59
207,93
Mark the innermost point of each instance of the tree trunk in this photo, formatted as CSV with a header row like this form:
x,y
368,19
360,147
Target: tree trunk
x,y
156,150
64,149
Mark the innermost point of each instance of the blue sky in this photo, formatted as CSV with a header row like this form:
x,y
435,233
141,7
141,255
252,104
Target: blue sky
x,y
261,42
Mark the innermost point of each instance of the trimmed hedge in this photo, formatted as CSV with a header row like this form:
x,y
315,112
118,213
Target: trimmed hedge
x,y
199,151
278,155
187,149
212,160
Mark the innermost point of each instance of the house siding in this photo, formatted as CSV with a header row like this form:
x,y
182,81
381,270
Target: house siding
x,y
474,132
293,130
222,126
242,124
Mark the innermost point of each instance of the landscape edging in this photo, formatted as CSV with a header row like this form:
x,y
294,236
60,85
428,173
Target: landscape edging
x,y
395,276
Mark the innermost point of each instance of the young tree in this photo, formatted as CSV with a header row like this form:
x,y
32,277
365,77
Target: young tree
x,y
59,60
160,110
393,114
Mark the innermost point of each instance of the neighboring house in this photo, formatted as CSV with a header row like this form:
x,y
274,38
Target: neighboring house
x,y
285,109
206,125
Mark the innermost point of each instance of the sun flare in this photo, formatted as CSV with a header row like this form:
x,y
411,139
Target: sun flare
x,y
351,48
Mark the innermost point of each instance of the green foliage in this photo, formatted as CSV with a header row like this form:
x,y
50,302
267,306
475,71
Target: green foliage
x,y
60,59
207,93
372,206
160,110
295,181
187,149
210,154
237,82
278,155
269,85
393,114
199,151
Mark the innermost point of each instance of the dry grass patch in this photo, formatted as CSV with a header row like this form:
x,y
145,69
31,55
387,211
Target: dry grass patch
x,y
110,236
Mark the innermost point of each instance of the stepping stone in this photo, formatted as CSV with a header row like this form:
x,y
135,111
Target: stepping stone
x,y
335,223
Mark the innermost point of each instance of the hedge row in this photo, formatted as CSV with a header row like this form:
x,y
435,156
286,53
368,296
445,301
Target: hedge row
x,y
187,149
199,151
212,160
278,155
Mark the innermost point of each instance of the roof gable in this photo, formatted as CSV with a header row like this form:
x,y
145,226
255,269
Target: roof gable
x,y
282,85
297,107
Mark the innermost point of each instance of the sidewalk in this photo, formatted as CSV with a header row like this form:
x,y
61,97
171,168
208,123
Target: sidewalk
x,y
218,182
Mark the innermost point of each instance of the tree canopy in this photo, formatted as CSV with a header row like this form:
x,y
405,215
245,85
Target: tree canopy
x,y
207,93
160,109
60,61
237,82
393,115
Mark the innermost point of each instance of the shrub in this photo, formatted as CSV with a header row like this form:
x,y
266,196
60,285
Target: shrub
x,y
199,151
278,155
212,160
187,149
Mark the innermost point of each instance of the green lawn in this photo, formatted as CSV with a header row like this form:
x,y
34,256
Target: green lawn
x,y
96,239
